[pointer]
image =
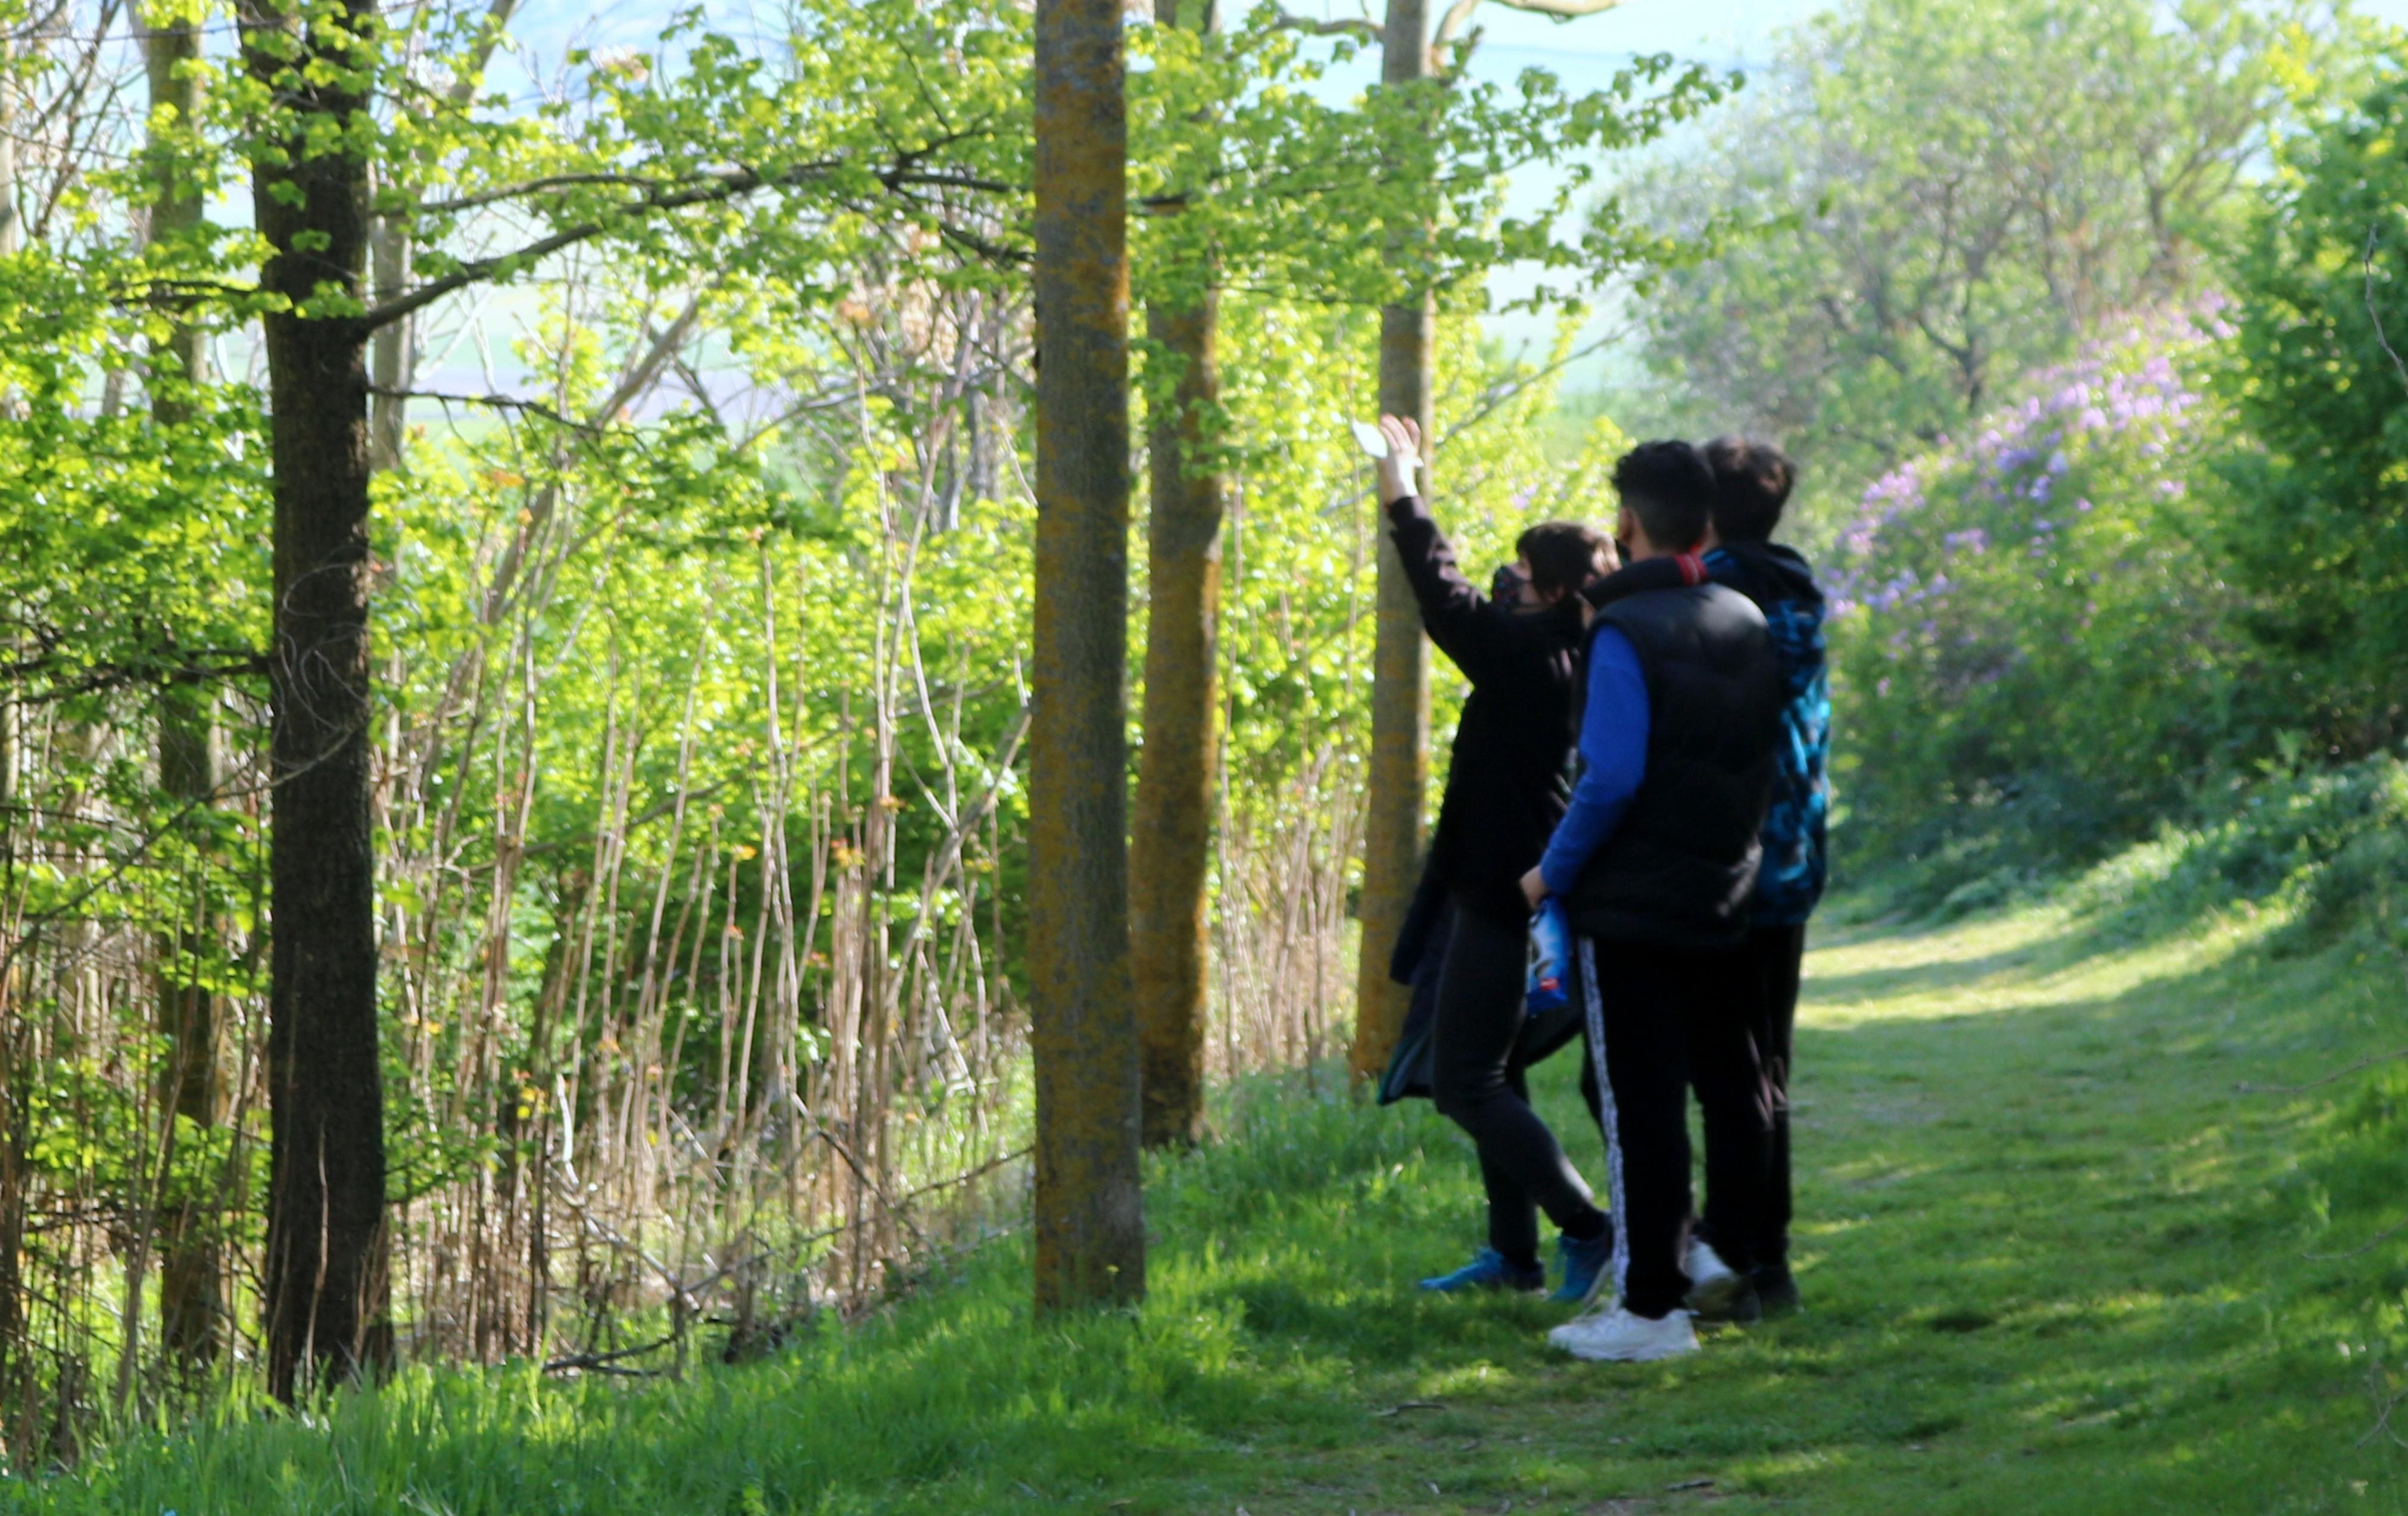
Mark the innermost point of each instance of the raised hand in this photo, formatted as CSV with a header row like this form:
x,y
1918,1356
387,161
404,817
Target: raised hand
x,y
1396,477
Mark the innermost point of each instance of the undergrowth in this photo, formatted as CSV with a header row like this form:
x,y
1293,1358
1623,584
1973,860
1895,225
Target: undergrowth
x,y
2097,1200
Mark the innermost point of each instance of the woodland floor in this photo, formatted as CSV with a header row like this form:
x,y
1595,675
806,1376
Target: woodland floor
x,y
2054,1259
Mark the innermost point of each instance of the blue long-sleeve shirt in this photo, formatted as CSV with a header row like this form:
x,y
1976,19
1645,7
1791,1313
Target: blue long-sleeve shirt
x,y
1613,758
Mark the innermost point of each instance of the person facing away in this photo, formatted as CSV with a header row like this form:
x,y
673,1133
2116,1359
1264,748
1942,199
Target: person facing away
x,y
1656,861
1506,786
1752,486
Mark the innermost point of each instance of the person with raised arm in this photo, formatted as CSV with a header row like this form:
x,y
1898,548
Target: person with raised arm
x,y
1506,785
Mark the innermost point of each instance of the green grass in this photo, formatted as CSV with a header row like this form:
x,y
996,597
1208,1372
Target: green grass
x,y
2055,1261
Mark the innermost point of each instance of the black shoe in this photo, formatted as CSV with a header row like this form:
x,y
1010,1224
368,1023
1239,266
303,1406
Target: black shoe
x,y
1772,1289
1739,1308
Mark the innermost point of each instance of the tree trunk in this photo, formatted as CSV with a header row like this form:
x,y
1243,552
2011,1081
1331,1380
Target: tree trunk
x,y
392,364
393,352
326,1241
1392,830
1090,1211
192,1309
1172,845
14,1075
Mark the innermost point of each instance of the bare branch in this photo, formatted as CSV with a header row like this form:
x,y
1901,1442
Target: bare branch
x,y
1453,22
1562,7
2374,315
717,188
500,401
1361,26
533,187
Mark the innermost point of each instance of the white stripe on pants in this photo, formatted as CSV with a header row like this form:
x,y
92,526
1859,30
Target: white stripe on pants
x,y
1592,1004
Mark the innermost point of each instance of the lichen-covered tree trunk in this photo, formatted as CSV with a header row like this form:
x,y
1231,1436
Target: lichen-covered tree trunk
x,y
191,1308
1090,1215
1171,844
326,1276
1392,830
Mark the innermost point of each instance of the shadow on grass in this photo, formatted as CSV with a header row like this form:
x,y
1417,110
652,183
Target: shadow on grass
x,y
2052,1260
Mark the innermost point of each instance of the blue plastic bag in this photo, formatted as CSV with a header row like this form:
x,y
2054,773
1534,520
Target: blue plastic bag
x,y
1544,987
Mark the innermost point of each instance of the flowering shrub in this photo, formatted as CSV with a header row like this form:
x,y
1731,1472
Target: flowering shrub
x,y
2030,636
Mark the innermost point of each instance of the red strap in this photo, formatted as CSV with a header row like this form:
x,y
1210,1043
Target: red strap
x,y
1693,568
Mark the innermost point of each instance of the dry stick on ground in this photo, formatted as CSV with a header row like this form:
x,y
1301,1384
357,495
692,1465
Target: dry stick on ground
x,y
2336,1076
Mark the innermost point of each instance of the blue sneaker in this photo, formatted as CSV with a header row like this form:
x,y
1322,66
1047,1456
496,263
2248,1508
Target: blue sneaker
x,y
1488,1271
1582,1262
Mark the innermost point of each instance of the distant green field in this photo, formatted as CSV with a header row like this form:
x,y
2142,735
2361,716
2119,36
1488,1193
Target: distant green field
x,y
2053,1261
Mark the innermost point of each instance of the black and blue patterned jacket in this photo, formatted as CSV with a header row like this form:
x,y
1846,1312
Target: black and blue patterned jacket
x,y
1797,847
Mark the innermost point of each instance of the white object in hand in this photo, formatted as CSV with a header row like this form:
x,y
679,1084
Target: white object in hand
x,y
1368,438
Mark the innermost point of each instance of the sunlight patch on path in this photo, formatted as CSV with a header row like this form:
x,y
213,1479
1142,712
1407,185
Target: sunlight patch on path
x,y
2036,958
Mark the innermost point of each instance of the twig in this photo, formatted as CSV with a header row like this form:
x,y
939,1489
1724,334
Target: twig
x,y
2244,1087
500,401
862,1174
601,1363
984,1169
2368,1246
2386,1401
2367,262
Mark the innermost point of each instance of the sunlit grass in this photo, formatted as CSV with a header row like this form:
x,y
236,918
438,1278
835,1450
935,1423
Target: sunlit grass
x,y
2056,1260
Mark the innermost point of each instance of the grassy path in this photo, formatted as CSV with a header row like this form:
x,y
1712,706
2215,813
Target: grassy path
x,y
2054,1263
2053,1258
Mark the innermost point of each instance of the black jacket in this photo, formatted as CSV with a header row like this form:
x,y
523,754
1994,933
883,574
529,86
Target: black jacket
x,y
1679,870
1790,881
1511,772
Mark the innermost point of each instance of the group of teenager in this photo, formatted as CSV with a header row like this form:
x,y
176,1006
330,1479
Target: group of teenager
x,y
1644,745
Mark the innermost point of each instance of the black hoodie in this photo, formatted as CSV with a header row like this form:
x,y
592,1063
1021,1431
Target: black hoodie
x,y
1510,776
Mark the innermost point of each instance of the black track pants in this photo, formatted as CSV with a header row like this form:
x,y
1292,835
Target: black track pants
x,y
1774,956
1662,1021
1476,1082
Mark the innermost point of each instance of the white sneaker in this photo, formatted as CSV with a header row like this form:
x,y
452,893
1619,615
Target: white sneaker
x,y
1612,1335
1714,1284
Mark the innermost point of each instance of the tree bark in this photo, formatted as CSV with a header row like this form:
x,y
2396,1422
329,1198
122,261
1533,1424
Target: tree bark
x,y
15,1076
1171,844
191,1307
326,1241
393,363
1392,831
1090,1212
393,352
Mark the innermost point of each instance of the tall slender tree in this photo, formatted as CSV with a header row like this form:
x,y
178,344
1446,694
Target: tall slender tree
x,y
392,353
1399,774
192,1309
327,1279
1090,1215
1409,60
13,1073
310,66
1172,842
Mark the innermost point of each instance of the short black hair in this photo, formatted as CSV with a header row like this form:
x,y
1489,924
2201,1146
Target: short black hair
x,y
1669,487
1752,484
1562,555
